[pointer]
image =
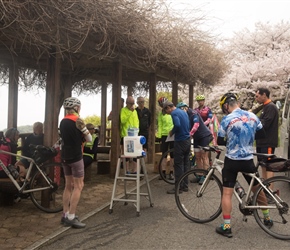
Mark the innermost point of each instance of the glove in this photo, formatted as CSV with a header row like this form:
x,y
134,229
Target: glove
x,y
80,124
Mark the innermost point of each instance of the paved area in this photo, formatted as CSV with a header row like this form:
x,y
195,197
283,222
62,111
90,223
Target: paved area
x,y
23,226
162,227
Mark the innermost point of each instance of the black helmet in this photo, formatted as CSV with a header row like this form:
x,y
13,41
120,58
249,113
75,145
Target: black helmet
x,y
226,98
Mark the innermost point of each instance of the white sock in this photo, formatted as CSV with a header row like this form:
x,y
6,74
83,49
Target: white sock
x,y
71,216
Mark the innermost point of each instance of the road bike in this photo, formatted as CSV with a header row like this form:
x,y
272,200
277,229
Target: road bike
x,y
202,203
44,182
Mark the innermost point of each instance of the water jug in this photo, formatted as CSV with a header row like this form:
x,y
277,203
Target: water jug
x,y
133,146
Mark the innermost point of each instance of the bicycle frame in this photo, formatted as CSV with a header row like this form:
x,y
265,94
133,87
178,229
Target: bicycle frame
x,y
27,177
217,165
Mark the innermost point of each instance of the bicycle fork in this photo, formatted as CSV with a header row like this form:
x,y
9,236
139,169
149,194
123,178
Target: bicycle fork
x,y
205,182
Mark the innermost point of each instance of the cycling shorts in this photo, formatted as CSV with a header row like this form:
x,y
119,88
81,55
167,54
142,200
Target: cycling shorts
x,y
75,169
233,167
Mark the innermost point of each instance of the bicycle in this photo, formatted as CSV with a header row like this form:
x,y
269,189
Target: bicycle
x,y
202,203
44,182
164,156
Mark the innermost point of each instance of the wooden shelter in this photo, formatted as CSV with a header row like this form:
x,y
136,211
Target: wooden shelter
x,y
85,44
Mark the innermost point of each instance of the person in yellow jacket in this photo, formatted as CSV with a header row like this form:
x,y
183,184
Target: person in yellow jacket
x,y
128,119
165,125
90,148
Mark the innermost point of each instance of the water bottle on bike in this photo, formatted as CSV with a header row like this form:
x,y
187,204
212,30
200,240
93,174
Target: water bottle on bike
x,y
240,190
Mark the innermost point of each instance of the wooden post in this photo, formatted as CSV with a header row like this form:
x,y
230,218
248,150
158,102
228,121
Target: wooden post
x,y
13,96
102,134
152,108
116,107
174,92
130,89
52,107
52,100
190,96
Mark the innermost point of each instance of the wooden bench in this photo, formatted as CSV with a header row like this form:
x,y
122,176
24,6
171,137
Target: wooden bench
x,y
103,158
7,192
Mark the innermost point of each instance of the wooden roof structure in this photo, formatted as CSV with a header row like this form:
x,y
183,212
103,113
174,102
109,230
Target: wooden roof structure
x,y
116,41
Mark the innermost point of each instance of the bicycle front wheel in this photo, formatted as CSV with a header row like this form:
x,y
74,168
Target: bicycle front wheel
x,y
279,186
48,200
195,204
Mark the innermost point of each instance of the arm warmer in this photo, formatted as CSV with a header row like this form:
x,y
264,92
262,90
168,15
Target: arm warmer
x,y
194,128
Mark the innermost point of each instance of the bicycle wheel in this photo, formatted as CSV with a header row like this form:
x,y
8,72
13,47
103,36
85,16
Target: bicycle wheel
x,y
279,216
199,208
165,178
48,200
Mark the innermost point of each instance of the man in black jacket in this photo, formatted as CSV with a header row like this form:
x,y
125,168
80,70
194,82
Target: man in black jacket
x,y
269,119
144,116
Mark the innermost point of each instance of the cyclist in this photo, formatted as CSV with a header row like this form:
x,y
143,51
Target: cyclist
x,y
9,144
204,111
202,137
90,147
129,119
203,158
238,130
181,144
165,125
73,131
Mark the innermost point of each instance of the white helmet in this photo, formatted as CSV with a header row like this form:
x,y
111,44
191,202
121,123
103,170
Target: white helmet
x,y
71,102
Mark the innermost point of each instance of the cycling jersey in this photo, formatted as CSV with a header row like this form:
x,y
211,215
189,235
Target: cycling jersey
x,y
72,139
197,126
181,125
165,124
240,126
205,113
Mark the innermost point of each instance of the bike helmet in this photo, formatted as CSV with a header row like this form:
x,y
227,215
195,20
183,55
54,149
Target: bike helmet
x,y
200,98
71,102
226,98
161,100
181,104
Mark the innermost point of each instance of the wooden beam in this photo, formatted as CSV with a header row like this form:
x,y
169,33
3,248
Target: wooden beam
x,y
152,108
116,107
12,96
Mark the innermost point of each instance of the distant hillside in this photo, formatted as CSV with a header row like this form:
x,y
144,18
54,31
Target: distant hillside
x,y
23,129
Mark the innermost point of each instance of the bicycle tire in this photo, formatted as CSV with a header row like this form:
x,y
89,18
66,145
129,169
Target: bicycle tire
x,y
160,167
281,226
201,209
54,205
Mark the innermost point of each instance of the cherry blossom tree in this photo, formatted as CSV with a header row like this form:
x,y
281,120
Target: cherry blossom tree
x,y
257,59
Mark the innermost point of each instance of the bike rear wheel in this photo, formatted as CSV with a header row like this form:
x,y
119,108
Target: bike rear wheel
x,y
48,200
160,170
199,208
279,216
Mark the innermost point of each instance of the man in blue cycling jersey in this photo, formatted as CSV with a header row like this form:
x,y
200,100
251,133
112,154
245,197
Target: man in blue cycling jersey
x,y
238,130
